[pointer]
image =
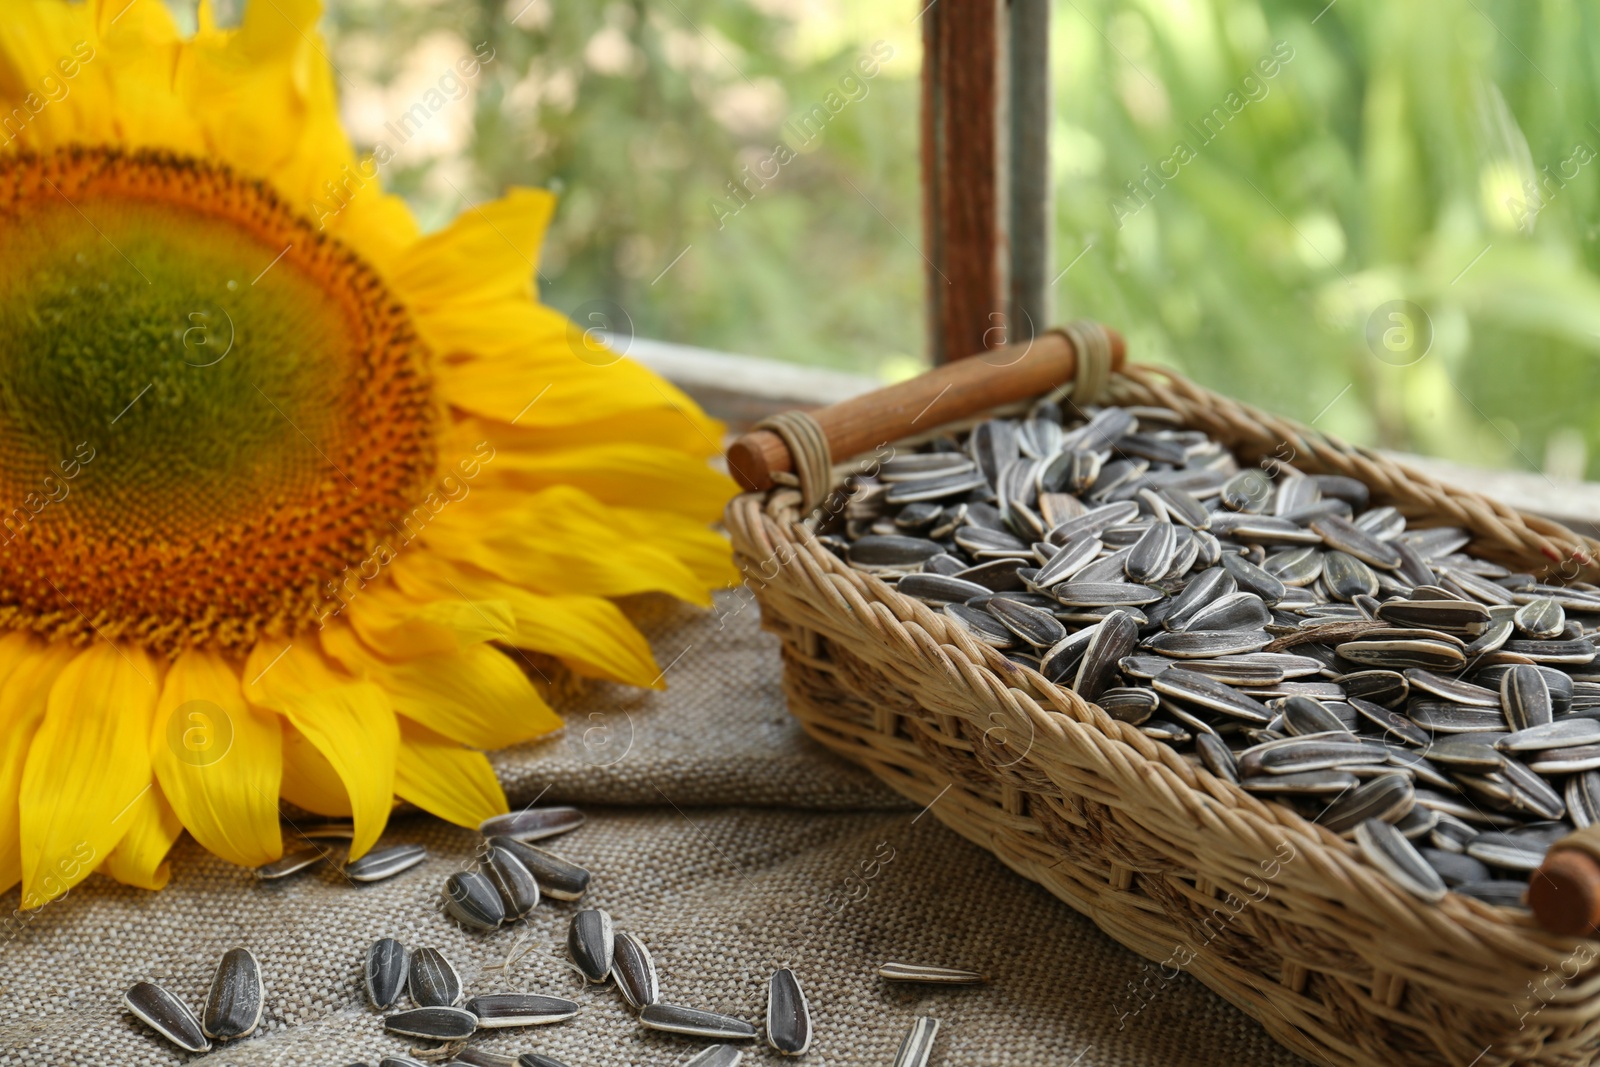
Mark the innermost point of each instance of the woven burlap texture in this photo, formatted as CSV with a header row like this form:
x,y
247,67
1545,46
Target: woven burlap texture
x,y
718,833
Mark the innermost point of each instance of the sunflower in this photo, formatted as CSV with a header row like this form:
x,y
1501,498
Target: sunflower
x,y
290,490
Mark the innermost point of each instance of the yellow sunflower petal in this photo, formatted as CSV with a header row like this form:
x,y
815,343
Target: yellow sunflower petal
x,y
348,721
489,251
589,634
475,695
87,767
441,777
659,426
398,626
635,475
309,780
28,668
548,543
139,858
694,544
53,77
219,762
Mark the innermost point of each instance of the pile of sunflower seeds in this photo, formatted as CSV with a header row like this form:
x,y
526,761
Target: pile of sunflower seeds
x,y
504,886
1437,709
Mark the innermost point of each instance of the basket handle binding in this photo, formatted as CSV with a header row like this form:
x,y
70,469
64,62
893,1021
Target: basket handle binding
x,y
799,447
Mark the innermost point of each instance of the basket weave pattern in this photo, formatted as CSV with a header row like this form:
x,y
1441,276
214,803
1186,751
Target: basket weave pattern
x,y
1276,914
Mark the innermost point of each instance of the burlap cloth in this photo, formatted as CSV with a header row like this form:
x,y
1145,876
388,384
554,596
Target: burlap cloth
x,y
722,836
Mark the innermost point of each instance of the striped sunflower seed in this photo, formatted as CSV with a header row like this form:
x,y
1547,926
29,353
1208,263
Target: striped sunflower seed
x,y
385,972
534,1059
695,1023
432,980
1252,579
166,1015
291,863
532,824
591,941
1455,690
1386,798
1113,639
1525,697
1216,756
1034,626
519,892
559,879
788,1014
1128,704
1541,618
920,972
385,863
1195,688
1507,851
1455,868
1450,615
937,589
1386,849
1151,555
1460,753
1497,891
496,1010
1236,611
1397,654
917,1045
234,1004
1308,783
437,1024
1302,715
472,900
1583,798
1105,594
1208,644
1561,733
635,971
1438,717
715,1056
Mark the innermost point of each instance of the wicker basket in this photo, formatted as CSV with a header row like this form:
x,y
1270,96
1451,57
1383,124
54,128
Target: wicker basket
x,y
1276,914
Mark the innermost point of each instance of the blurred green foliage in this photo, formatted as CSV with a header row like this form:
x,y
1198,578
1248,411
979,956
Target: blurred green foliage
x,y
1437,152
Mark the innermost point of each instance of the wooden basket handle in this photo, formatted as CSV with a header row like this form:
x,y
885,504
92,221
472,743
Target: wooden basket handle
x,y
956,390
1564,892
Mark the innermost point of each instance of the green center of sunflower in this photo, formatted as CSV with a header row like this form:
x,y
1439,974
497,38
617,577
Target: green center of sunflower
x,y
207,378
208,410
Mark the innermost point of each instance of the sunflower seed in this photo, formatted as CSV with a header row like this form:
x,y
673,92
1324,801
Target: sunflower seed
x,y
917,972
1583,798
1441,718
400,1061
1455,868
1078,593
1542,617
1562,733
1208,644
532,824
385,863
1450,615
385,972
938,589
714,1056
436,1023
1401,653
1386,798
291,863
518,890
233,1006
1505,894
635,971
984,626
432,981
1128,704
1295,567
475,1057
331,830
1573,652
1195,688
1237,611
1216,756
1320,753
1503,850
1386,849
1113,639
1458,753
591,942
1525,697
917,1045
1452,689
559,879
533,1059
1037,628
1347,537
1301,715
1566,760
1312,783
471,899
495,1010
1151,554
1252,579
1388,688
1072,558
166,1015
923,489
695,1022
1392,725
788,1014
892,550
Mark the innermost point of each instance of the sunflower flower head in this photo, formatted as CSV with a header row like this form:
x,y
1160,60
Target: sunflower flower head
x,y
291,490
